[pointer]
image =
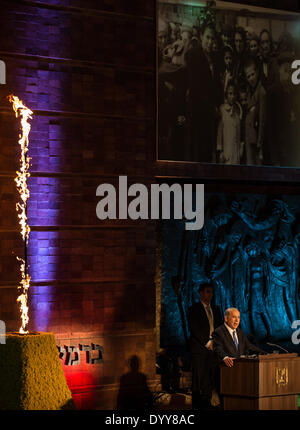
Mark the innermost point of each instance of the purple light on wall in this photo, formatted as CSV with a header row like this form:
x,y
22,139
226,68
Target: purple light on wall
x,y
40,308
42,258
43,266
43,87
46,203
47,145
44,212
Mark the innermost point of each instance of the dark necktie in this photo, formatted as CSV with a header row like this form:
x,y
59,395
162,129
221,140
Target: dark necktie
x,y
210,319
235,339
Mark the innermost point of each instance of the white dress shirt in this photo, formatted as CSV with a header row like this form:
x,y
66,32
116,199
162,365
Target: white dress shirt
x,y
231,330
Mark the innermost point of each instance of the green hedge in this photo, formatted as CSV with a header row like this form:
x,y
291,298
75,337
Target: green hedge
x,y
31,374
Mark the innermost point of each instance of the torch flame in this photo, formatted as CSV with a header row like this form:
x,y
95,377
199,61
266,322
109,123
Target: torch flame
x,y
22,175
21,183
24,285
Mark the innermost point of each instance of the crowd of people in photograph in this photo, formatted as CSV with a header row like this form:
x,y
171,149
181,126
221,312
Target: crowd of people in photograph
x,y
226,96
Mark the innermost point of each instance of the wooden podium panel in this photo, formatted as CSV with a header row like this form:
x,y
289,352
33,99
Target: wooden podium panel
x,y
269,381
261,403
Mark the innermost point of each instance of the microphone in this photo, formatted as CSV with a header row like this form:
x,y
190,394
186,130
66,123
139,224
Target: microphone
x,y
277,346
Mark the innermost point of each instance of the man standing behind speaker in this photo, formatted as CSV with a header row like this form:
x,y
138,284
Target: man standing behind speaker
x,y
204,318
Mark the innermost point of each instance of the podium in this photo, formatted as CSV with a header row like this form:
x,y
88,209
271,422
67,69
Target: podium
x,y
270,381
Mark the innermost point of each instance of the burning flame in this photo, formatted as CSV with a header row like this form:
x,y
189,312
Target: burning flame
x,y
21,183
24,285
22,175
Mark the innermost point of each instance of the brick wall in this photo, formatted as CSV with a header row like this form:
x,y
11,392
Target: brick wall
x,y
89,77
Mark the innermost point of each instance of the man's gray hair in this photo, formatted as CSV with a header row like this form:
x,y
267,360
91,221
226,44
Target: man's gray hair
x,y
229,310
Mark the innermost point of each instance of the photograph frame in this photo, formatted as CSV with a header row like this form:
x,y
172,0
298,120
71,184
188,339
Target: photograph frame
x,y
213,170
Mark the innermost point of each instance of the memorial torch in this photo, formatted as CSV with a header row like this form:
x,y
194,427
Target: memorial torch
x,y
23,174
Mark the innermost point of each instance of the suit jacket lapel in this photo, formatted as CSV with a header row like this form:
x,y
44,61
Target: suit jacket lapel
x,y
204,315
229,337
239,338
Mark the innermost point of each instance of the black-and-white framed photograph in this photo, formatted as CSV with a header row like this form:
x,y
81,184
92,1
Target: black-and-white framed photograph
x,y
224,84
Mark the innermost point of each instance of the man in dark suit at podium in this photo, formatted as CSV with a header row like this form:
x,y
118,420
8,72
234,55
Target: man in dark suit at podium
x,y
229,340
204,318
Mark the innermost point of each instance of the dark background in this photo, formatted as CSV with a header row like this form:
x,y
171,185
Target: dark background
x,y
88,71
